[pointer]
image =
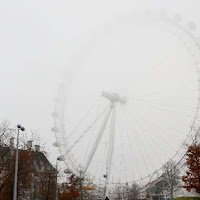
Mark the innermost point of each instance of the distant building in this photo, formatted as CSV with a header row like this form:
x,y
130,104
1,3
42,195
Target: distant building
x,y
158,190
36,175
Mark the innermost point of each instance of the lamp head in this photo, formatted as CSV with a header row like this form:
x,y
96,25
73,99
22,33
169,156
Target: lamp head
x,y
18,126
22,128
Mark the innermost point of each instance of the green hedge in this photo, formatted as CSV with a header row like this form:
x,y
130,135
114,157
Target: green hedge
x,y
187,198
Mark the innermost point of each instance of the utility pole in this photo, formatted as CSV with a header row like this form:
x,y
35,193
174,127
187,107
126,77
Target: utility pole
x,y
19,127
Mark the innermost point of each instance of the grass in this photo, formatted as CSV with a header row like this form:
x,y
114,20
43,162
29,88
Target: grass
x,y
187,198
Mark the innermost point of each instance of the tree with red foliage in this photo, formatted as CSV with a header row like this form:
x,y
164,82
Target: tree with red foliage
x,y
71,190
25,171
147,195
192,176
36,175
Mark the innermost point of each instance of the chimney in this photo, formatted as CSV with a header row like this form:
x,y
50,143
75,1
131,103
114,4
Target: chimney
x,y
12,142
29,145
37,148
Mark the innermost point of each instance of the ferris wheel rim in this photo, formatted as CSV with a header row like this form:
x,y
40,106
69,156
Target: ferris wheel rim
x,y
196,113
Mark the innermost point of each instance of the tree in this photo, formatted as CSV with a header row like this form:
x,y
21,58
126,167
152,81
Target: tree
x,y
156,188
147,195
71,189
134,191
192,177
118,191
25,170
36,176
171,174
44,185
5,133
7,165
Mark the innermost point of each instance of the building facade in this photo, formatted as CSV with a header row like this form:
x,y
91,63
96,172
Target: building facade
x,y
36,175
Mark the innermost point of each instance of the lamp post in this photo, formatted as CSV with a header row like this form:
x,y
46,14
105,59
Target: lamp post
x,y
19,127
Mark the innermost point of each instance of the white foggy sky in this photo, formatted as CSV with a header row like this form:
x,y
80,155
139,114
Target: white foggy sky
x,y
36,41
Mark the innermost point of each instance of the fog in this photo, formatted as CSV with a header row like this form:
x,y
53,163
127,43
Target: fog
x,y
39,44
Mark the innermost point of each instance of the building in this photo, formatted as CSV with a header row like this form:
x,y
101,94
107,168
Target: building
x,y
36,175
158,190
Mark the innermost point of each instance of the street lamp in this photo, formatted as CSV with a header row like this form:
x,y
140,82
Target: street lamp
x,y
19,127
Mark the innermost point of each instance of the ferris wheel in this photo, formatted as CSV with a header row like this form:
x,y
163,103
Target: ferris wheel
x,y
145,116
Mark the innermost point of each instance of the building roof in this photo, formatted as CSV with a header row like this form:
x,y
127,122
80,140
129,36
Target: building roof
x,y
40,161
